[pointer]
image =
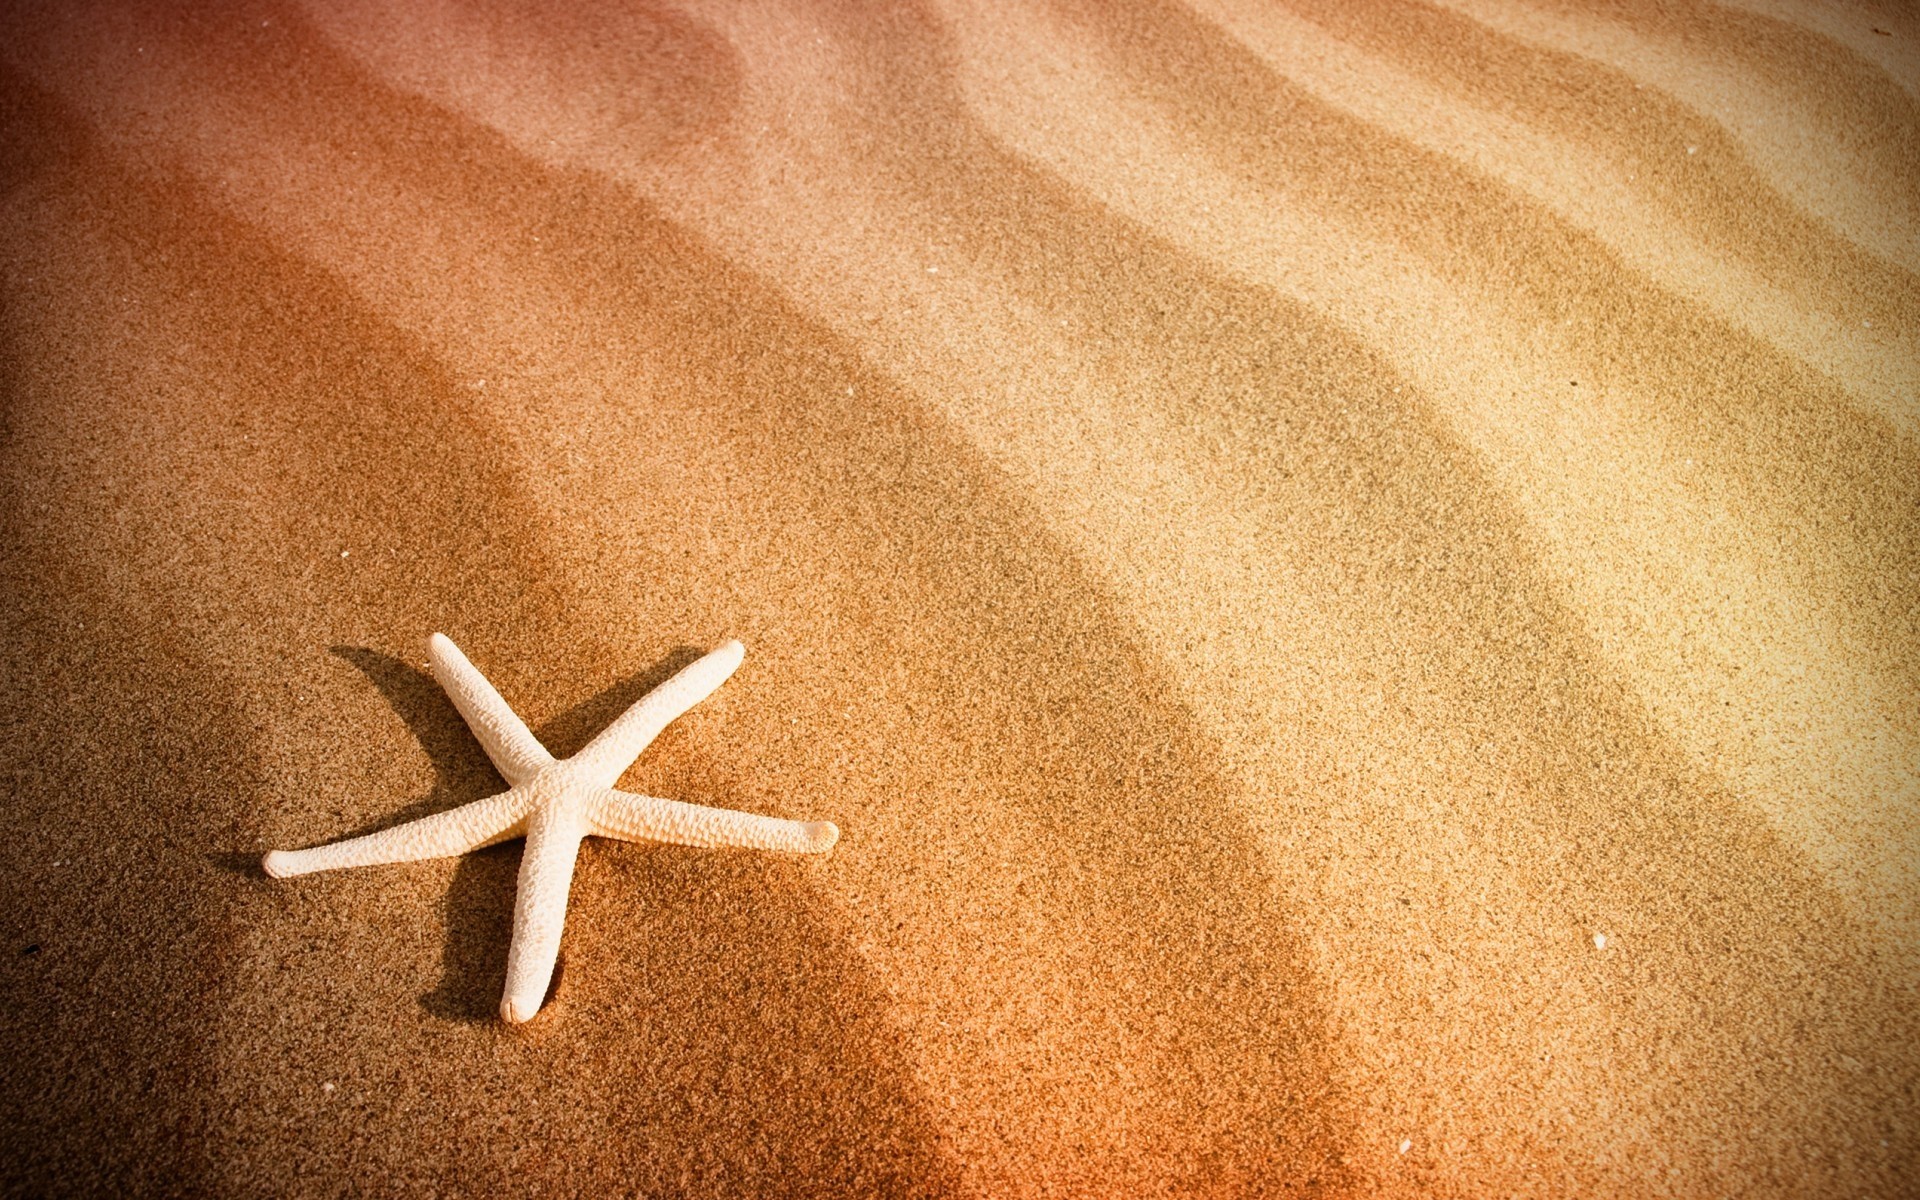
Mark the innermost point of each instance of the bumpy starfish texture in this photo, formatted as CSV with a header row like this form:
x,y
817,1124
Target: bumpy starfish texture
x,y
554,803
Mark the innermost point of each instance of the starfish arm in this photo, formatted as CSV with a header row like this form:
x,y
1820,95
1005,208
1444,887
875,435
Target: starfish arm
x,y
613,751
632,818
540,910
506,738
455,831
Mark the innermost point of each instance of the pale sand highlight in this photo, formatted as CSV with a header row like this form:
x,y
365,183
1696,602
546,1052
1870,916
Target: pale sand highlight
x,y
1845,153
1261,575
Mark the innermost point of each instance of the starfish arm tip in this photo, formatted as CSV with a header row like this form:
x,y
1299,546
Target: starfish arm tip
x,y
516,1011
280,863
821,835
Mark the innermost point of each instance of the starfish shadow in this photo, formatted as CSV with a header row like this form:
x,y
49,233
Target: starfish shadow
x,y
565,734
237,862
479,904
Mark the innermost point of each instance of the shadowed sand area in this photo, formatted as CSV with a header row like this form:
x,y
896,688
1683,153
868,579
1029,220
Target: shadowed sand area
x,y
1350,574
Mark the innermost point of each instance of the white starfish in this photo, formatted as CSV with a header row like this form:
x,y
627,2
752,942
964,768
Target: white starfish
x,y
554,803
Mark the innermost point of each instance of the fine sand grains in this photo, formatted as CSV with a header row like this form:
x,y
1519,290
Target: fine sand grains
x,y
1350,574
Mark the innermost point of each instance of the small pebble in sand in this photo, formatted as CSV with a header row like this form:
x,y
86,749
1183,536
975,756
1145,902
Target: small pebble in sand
x,y
343,553
326,1087
1599,941
1406,1144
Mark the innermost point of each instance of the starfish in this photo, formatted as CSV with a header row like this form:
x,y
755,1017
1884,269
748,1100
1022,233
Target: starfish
x,y
554,803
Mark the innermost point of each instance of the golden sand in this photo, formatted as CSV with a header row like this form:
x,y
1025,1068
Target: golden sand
x,y
1350,573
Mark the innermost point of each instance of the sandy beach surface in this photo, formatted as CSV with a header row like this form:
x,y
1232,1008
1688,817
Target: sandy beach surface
x,y
1349,571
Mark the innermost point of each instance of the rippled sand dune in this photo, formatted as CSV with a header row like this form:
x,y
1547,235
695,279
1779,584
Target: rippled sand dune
x,y
1350,572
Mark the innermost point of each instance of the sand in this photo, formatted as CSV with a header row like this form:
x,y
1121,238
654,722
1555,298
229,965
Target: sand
x,y
1350,573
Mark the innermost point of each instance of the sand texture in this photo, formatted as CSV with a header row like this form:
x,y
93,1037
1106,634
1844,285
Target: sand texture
x,y
1349,571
